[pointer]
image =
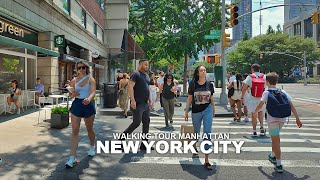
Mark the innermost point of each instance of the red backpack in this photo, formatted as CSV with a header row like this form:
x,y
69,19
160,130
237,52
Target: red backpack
x,y
257,87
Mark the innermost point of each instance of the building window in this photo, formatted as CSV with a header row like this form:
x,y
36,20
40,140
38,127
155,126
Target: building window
x,y
66,6
100,3
297,29
95,31
308,28
84,19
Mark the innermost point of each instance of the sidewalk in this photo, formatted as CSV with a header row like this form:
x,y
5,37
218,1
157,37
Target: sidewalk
x,y
221,110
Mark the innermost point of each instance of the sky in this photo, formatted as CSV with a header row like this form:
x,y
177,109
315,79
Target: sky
x,y
273,16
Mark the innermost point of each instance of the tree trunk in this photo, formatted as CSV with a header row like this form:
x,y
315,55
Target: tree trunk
x,y
185,72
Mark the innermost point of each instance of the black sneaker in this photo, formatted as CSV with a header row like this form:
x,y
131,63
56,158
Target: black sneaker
x,y
254,134
272,159
171,122
279,169
262,131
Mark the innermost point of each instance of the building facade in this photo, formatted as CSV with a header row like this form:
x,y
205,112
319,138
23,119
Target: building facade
x,y
291,12
245,22
46,38
301,25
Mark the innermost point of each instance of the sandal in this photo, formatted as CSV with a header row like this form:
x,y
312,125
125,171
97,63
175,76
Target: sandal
x,y
234,119
208,166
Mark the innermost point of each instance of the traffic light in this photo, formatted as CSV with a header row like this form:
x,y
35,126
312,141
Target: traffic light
x,y
315,17
226,40
213,59
234,15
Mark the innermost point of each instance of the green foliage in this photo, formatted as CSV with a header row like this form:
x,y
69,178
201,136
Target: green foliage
x,y
311,81
245,36
10,64
247,53
60,110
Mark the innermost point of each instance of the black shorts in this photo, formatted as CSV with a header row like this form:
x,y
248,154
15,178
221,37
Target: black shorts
x,y
80,110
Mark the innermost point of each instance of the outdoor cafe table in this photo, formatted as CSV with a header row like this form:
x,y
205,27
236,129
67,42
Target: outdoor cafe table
x,y
57,97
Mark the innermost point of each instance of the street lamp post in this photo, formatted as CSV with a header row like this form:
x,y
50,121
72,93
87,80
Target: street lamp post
x,y
223,95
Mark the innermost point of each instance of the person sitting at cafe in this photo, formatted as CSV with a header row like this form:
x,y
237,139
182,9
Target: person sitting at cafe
x,y
15,92
39,88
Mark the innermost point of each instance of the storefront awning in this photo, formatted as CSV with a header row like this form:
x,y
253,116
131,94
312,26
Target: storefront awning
x,y
134,50
17,43
69,58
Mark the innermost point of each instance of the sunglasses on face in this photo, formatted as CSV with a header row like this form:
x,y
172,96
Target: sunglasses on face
x,y
81,67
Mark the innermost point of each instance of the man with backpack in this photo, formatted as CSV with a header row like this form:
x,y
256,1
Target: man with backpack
x,y
279,107
256,83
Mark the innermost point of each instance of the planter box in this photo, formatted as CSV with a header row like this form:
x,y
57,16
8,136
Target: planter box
x,y
59,121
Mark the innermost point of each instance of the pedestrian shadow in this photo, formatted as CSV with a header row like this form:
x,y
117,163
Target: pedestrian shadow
x,y
197,169
166,129
260,139
132,157
286,175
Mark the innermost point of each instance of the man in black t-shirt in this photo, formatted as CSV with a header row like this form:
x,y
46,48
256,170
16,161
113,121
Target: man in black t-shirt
x,y
140,102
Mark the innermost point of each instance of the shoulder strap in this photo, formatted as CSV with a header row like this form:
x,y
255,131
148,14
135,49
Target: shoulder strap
x,y
81,80
261,75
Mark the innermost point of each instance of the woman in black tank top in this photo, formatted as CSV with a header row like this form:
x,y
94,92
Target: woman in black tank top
x,y
168,90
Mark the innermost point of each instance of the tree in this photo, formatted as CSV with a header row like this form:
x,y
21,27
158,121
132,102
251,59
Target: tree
x,y
279,30
270,30
247,53
245,36
175,28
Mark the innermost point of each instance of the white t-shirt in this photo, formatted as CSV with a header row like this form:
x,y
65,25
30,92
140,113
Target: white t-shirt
x,y
264,98
232,78
248,81
160,81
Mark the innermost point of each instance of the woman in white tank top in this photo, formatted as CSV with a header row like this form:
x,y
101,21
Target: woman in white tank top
x,y
82,107
236,97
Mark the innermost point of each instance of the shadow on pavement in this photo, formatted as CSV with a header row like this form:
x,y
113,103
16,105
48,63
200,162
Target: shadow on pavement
x,y
8,117
286,175
46,159
199,171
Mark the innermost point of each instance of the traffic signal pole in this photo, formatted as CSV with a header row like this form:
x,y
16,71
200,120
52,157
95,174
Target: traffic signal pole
x,y
223,95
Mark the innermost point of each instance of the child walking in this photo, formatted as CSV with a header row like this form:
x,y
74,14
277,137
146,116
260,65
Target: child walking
x,y
279,107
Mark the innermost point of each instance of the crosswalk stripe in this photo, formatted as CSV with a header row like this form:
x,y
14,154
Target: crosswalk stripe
x,y
130,178
305,102
232,123
308,100
221,162
283,140
241,127
245,133
303,119
283,149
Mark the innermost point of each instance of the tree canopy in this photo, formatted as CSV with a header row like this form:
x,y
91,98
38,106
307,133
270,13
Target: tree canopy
x,y
248,52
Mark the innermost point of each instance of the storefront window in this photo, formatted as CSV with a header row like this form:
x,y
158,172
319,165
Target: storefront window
x,y
66,6
11,67
31,73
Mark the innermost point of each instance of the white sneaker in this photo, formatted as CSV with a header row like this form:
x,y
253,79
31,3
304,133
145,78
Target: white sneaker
x,y
18,111
91,151
71,162
246,119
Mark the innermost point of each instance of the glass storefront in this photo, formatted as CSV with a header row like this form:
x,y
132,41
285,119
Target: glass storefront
x,y
16,64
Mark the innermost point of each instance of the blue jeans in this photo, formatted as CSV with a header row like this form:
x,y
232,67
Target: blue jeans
x,y
206,117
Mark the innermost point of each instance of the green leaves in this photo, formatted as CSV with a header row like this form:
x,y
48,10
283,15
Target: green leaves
x,y
248,52
59,110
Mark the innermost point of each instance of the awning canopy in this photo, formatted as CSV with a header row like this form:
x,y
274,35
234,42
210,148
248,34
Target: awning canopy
x,y
134,50
17,43
69,58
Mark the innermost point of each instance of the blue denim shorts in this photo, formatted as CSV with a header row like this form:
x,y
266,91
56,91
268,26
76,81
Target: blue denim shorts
x,y
80,110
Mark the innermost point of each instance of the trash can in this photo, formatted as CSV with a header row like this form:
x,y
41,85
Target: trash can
x,y
218,76
110,94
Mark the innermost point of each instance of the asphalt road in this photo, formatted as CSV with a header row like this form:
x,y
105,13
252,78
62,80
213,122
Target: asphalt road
x,y
300,154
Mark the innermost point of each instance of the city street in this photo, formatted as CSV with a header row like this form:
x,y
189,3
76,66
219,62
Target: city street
x,y
38,152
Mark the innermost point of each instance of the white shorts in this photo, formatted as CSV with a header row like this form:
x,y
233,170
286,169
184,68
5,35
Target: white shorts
x,y
252,105
246,99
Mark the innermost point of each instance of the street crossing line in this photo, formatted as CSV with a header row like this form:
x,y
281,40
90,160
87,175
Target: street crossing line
x,y
303,119
242,127
234,123
221,162
243,133
308,100
130,178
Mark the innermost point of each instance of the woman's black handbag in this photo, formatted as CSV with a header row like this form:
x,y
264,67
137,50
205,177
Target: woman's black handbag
x,y
230,92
